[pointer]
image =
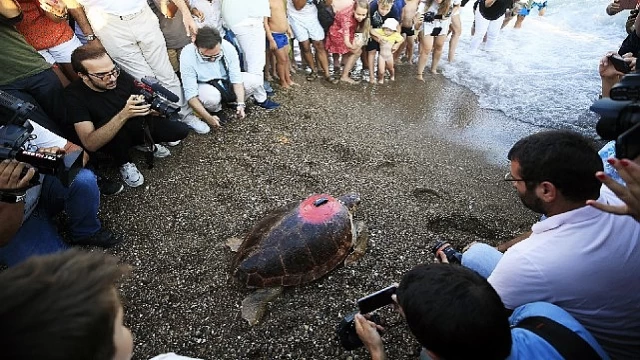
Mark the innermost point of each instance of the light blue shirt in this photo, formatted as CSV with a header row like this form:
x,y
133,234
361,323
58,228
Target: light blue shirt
x,y
527,345
194,69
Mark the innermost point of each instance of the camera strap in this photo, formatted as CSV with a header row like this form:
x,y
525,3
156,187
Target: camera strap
x,y
569,344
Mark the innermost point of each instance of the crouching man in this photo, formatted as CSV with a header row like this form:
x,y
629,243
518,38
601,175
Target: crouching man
x,y
109,115
210,71
455,314
26,211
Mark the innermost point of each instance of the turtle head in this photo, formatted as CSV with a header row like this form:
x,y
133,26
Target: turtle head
x,y
351,201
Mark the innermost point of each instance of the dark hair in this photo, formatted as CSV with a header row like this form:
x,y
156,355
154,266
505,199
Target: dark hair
x,y
208,38
565,158
60,306
454,312
86,52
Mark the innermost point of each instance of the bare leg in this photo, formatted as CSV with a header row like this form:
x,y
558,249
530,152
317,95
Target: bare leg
x,y
542,11
323,58
351,59
426,44
519,22
371,57
336,62
409,51
456,30
438,44
391,67
307,55
381,67
282,66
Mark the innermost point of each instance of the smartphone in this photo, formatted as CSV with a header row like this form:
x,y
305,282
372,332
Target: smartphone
x,y
618,62
377,300
627,4
628,143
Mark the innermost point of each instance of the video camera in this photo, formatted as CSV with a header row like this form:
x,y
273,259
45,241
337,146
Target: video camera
x,y
160,98
16,131
620,116
346,331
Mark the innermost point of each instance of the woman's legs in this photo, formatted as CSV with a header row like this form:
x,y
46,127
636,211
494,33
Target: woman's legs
x,y
351,59
438,44
426,44
456,30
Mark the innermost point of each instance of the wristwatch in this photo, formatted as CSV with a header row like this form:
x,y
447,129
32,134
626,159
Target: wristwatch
x,y
90,37
11,198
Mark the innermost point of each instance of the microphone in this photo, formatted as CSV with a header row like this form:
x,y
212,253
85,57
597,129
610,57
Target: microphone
x,y
155,85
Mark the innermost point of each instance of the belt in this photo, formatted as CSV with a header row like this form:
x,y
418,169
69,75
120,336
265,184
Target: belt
x,y
130,16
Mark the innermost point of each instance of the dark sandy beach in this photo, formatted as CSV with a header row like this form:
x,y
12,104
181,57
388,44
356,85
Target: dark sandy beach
x,y
385,143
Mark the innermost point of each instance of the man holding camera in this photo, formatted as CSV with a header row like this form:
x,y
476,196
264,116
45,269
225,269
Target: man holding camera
x,y
210,71
110,116
553,173
455,314
26,210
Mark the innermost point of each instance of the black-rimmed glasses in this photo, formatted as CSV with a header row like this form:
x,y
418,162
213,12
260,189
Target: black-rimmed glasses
x,y
107,75
210,57
509,177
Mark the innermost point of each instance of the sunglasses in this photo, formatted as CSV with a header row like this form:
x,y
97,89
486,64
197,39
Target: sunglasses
x,y
210,57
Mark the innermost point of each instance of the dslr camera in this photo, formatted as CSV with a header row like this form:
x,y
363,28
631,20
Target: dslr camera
x,y
430,16
620,116
346,331
453,256
16,130
160,98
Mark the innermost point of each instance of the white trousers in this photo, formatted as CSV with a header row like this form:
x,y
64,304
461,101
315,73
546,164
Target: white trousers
x,y
482,27
212,100
251,36
136,43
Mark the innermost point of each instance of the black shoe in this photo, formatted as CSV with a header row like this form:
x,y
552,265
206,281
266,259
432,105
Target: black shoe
x,y
108,187
103,238
223,119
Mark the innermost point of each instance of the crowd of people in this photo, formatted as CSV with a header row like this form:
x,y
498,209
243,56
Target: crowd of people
x,y
92,81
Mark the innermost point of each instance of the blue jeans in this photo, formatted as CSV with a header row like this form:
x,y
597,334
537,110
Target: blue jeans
x,y
38,234
481,258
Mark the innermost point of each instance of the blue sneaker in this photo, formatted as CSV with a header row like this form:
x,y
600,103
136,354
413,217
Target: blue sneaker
x,y
268,104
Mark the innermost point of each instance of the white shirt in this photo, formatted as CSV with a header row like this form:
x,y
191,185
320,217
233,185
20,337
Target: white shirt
x,y
587,262
309,11
41,138
113,7
235,11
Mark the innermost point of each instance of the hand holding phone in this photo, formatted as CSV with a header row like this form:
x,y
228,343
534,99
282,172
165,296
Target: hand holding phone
x,y
377,300
619,63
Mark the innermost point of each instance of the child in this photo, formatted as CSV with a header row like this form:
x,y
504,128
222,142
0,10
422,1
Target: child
x,y
277,28
409,15
348,34
435,24
390,41
379,12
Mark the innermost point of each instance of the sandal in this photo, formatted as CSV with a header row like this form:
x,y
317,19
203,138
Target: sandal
x,y
312,76
331,79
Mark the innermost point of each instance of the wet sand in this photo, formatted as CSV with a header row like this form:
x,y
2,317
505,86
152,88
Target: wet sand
x,y
393,144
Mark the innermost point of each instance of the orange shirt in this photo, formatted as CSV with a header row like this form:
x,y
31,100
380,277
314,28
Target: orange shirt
x,y
40,31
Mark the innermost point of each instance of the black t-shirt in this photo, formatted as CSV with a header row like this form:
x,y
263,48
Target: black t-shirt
x,y
84,103
631,44
496,10
377,19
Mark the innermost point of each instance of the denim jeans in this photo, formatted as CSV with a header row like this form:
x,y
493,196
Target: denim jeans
x,y
38,234
481,258
45,91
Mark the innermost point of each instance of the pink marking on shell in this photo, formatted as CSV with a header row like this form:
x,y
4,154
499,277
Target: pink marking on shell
x,y
309,212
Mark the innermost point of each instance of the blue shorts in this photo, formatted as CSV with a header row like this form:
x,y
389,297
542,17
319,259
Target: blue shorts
x,y
281,40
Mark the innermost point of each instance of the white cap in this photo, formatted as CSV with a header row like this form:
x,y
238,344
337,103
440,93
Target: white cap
x,y
390,23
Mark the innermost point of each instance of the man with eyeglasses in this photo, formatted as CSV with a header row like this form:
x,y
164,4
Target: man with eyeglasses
x,y
211,66
582,259
109,116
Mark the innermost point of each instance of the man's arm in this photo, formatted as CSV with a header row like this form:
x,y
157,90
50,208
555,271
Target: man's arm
x,y
10,9
11,214
199,109
238,89
189,24
77,11
93,139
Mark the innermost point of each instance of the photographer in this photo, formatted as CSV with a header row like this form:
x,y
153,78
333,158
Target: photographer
x,y
629,50
455,314
26,226
109,115
210,71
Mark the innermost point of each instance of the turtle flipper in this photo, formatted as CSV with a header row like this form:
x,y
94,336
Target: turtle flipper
x,y
360,245
253,306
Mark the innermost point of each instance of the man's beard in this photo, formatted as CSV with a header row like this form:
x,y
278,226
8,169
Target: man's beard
x,y
531,201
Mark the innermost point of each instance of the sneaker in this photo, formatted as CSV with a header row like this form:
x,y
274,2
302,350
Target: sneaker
x,y
158,152
108,187
196,124
174,143
130,175
268,104
103,238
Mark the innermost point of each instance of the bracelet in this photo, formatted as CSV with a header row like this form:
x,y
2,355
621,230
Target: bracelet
x,y
240,105
12,198
65,16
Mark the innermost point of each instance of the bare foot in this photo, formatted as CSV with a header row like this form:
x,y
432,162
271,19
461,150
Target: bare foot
x,y
380,81
393,78
419,77
372,80
348,80
434,71
294,84
285,86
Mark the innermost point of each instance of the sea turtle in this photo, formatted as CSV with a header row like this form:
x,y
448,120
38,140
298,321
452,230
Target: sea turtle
x,y
297,244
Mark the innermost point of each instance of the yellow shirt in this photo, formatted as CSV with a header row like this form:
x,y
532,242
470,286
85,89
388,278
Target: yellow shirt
x,y
395,37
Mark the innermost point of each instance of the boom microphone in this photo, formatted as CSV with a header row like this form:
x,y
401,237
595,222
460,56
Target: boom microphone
x,y
157,87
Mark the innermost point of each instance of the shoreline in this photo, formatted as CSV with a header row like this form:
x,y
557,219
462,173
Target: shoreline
x,y
385,143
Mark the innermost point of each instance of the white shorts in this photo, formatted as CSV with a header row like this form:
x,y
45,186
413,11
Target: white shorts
x,y
428,29
61,53
306,29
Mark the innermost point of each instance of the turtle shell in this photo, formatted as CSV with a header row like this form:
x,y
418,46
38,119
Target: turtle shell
x,y
296,244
